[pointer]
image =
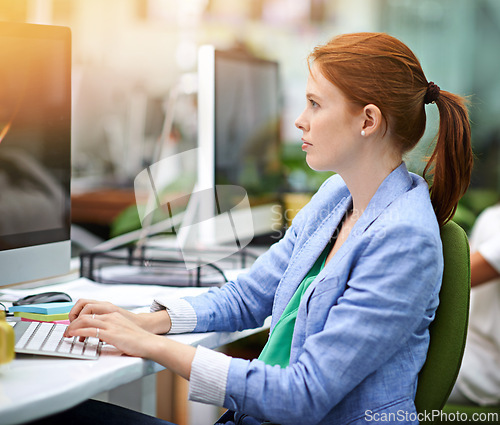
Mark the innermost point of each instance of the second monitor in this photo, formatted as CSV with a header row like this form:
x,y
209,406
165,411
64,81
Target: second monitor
x,y
239,109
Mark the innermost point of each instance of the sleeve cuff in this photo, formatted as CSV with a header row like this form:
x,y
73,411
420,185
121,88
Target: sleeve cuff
x,y
209,370
182,314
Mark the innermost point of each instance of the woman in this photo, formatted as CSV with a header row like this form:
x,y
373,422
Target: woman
x,y
353,285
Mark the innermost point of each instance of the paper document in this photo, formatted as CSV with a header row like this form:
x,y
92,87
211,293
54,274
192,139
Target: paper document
x,y
126,296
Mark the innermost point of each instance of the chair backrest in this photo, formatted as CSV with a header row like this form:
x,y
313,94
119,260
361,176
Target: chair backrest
x,y
448,331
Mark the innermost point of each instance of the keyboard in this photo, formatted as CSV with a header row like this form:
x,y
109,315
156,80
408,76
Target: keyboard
x,y
47,339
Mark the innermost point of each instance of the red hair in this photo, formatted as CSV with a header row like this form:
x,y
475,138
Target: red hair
x,y
375,68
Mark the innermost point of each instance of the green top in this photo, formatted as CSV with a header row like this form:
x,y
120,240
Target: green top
x,y
279,344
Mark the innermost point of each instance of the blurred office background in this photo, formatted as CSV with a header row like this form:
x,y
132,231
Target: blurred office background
x,y
129,54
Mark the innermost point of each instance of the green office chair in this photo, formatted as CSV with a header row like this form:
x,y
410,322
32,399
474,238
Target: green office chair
x,y
449,329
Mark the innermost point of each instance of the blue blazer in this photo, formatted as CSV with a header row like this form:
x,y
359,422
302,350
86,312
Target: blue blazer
x,y
361,334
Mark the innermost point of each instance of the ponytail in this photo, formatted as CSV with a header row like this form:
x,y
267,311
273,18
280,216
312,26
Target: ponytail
x,y
450,164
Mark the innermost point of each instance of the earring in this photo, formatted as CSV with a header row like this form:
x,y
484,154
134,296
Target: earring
x,y
363,133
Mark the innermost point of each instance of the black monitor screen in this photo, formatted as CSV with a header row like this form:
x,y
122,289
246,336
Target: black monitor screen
x,y
247,124
35,131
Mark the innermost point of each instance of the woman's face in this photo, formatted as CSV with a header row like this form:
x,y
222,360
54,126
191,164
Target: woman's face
x,y
331,132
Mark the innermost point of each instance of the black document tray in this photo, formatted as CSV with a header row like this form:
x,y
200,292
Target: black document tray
x,y
162,266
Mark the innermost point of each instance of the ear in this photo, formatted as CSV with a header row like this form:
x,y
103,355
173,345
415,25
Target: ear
x,y
372,119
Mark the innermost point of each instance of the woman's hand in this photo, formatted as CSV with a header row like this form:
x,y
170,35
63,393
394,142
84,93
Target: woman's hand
x,y
115,329
83,307
158,322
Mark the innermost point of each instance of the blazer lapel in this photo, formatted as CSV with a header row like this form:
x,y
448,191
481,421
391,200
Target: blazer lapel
x,y
308,254
394,185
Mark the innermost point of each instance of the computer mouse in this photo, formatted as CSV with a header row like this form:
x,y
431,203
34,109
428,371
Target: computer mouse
x,y
44,297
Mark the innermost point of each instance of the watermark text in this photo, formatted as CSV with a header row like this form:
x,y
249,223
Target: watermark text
x,y
434,415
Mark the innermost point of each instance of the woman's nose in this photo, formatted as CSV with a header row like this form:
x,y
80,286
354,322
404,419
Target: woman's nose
x,y
300,122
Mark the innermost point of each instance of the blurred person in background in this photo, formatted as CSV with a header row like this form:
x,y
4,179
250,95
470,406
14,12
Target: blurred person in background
x,y
478,382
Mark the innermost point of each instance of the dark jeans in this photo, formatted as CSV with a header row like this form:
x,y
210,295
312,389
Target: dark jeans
x,y
99,413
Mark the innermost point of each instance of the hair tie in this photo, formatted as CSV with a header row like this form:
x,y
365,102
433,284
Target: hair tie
x,y
432,93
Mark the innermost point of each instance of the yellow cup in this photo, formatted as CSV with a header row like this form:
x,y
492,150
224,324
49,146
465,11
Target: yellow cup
x,y
6,340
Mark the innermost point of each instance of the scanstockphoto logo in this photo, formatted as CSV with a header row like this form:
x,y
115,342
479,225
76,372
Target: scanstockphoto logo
x,y
404,417
201,218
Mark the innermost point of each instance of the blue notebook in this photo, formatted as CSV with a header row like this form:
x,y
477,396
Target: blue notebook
x,y
46,308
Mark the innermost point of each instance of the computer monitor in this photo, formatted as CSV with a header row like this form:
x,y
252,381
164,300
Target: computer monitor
x,y
35,151
239,107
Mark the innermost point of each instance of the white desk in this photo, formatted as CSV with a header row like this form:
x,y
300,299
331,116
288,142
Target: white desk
x,y
36,386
